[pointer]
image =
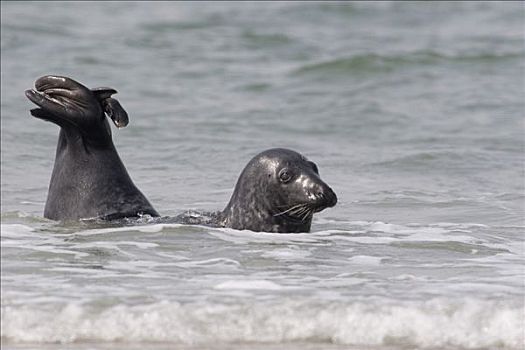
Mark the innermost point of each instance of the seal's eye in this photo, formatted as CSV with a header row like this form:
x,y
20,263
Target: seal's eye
x,y
285,175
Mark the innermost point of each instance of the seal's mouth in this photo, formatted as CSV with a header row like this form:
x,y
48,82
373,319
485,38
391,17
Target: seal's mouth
x,y
303,211
299,213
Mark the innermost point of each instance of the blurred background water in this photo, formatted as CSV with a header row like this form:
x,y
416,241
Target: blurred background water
x,y
413,111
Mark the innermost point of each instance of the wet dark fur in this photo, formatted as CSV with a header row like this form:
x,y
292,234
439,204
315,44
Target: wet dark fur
x,y
263,201
89,180
279,190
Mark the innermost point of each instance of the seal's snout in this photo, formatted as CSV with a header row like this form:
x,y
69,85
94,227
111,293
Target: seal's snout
x,y
325,196
333,201
329,196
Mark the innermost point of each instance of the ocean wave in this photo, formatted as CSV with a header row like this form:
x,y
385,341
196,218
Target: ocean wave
x,y
381,63
15,216
434,159
434,323
464,237
266,39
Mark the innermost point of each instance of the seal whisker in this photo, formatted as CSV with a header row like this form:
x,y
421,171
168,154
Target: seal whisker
x,y
297,206
308,213
302,213
299,211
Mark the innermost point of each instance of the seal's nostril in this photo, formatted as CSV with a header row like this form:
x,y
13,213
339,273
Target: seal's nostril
x,y
333,198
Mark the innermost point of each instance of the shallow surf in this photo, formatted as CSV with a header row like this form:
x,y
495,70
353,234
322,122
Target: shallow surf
x,y
412,111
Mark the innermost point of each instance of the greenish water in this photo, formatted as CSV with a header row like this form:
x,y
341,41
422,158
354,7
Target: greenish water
x,y
413,111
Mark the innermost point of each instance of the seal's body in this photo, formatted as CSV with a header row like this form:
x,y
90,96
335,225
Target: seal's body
x,y
89,180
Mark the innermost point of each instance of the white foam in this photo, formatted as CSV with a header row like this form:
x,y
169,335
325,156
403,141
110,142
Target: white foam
x,y
23,237
138,228
246,236
292,253
110,244
15,230
365,260
249,285
215,262
436,323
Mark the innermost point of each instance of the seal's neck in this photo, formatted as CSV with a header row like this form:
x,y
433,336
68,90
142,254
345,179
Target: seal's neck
x,y
250,212
246,213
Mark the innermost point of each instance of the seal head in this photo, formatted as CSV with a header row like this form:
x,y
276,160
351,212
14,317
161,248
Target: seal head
x,y
278,191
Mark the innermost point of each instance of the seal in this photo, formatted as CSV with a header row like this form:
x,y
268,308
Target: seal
x,y
279,190
89,180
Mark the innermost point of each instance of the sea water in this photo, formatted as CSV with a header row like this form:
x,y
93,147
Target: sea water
x,y
413,111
